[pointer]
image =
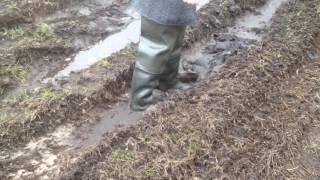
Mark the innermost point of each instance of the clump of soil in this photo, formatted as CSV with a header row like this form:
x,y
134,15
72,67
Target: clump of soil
x,y
246,122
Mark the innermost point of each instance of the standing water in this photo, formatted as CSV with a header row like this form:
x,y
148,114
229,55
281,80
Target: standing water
x,y
246,25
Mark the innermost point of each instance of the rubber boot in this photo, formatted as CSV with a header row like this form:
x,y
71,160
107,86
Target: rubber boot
x,y
143,84
169,78
157,43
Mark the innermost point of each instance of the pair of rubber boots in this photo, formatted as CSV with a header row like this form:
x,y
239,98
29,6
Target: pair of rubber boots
x,y
157,63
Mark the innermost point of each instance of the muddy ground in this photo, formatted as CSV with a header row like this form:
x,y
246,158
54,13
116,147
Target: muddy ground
x,y
23,111
257,117
35,49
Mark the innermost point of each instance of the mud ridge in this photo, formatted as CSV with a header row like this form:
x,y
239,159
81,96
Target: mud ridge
x,y
235,125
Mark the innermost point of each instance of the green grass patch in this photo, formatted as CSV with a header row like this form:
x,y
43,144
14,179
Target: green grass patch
x,y
34,100
151,170
122,155
17,73
12,33
104,63
42,30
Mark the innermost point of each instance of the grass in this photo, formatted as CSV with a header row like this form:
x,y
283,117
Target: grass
x,y
225,4
151,170
11,5
104,63
16,72
12,33
131,50
313,147
45,96
34,100
42,30
122,155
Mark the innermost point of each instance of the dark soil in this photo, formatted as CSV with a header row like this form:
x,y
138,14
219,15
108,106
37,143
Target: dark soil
x,y
255,119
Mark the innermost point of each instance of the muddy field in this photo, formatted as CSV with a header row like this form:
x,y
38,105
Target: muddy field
x,y
253,113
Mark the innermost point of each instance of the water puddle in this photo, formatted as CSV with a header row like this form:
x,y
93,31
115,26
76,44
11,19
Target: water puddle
x,y
119,115
248,27
109,46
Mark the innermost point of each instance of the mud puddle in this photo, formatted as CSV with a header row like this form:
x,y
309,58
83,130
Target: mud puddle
x,y
119,116
44,155
209,57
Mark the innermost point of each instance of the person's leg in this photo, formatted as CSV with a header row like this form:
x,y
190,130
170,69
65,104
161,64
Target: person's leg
x,y
156,44
169,78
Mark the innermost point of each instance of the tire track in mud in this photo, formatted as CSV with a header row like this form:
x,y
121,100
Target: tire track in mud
x,y
251,116
111,88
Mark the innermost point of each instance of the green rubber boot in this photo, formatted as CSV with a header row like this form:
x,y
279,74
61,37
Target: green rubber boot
x,y
157,43
169,78
143,84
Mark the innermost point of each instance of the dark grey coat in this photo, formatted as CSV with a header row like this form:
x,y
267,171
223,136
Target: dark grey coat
x,y
167,12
